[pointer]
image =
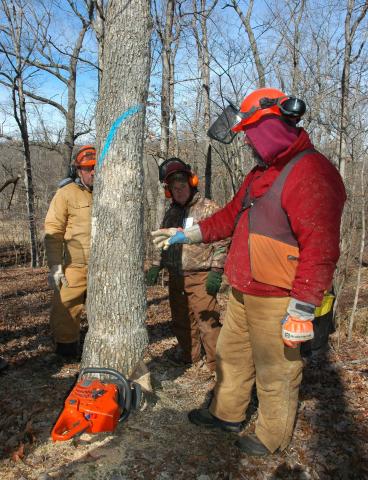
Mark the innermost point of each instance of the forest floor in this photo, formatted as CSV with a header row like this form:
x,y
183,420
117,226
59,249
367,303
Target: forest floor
x,y
330,439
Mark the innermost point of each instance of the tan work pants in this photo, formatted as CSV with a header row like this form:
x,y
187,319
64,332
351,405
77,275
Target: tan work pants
x,y
195,316
250,348
67,305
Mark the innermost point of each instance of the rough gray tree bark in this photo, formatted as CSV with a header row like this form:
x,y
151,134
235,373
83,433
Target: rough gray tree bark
x,y
116,301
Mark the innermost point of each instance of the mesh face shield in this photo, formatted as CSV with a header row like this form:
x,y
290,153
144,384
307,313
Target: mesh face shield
x,y
220,130
232,118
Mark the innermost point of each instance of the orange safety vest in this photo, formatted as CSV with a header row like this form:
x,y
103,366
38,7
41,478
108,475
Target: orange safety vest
x,y
273,248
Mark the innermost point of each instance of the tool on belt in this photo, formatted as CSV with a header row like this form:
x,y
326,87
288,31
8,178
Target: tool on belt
x,y
95,406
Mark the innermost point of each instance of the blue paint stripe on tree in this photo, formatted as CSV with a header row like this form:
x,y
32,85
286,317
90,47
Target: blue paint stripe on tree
x,y
113,130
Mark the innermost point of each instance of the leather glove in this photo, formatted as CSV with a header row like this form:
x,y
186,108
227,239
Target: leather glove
x,y
56,277
152,275
297,326
165,237
213,282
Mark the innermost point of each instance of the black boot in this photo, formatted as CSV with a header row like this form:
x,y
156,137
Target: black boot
x,y
252,446
204,418
3,363
68,350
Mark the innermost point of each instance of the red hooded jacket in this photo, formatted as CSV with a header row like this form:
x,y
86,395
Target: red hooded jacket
x,y
313,198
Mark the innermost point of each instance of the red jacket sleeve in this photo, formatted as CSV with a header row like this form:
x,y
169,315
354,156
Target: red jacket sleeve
x,y
313,198
221,224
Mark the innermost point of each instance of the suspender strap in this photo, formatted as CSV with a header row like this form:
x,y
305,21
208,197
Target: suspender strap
x,y
249,202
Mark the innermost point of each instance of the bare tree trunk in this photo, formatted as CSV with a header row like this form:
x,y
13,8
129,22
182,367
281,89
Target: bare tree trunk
x,y
116,302
253,43
201,36
165,34
99,27
350,31
14,15
361,252
28,178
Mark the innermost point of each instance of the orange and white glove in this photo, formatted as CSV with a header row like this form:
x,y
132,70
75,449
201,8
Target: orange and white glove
x,y
297,326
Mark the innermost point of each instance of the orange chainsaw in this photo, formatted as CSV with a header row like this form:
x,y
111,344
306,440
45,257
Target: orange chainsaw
x,y
94,406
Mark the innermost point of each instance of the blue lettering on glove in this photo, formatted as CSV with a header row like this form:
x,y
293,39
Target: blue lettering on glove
x,y
179,237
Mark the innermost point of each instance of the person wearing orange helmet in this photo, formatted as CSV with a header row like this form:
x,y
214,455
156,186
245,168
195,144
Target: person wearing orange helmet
x,y
195,271
67,244
285,227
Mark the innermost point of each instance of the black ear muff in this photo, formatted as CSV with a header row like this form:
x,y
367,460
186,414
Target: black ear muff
x,y
293,107
72,172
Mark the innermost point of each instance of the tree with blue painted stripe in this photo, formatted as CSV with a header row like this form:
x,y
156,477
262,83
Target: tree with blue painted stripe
x,y
116,302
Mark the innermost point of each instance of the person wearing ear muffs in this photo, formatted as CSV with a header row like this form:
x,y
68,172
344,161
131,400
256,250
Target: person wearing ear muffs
x,y
67,246
195,271
284,223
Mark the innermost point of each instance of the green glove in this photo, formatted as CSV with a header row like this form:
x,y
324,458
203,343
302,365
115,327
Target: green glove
x,y
152,275
213,282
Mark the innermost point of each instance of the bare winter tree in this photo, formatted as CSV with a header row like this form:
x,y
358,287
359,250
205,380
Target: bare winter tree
x,y
116,303
164,26
59,61
14,72
351,28
201,13
245,19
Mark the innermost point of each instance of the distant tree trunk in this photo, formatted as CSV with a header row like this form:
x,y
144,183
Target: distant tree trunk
x,y
116,301
245,19
350,31
165,33
201,15
28,178
15,20
361,252
99,27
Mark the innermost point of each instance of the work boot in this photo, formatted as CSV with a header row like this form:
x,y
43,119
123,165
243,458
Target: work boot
x,y
68,350
204,418
252,446
3,364
178,359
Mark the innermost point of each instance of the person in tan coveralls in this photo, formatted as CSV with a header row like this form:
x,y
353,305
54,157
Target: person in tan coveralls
x,y
195,271
67,243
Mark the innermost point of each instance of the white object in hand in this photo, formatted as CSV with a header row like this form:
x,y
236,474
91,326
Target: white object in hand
x,y
56,277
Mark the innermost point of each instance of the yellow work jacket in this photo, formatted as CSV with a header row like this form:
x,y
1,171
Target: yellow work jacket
x,y
68,226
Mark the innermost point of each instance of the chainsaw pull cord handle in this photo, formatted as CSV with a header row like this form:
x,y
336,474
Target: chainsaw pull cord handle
x,y
125,392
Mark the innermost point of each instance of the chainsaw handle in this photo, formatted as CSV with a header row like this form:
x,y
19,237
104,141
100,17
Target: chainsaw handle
x,y
125,391
61,426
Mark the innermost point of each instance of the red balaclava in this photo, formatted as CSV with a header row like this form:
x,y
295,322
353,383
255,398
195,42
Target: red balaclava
x,y
271,136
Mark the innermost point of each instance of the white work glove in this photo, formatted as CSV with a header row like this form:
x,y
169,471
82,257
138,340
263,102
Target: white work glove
x,y
165,237
56,277
297,326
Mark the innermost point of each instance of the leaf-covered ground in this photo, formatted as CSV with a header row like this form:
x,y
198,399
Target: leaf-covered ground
x,y
330,439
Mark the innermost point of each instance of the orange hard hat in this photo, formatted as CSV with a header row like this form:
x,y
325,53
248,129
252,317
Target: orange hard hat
x,y
255,106
86,156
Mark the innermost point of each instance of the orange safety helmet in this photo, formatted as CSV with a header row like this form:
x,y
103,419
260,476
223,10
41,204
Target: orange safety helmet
x,y
253,109
86,157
